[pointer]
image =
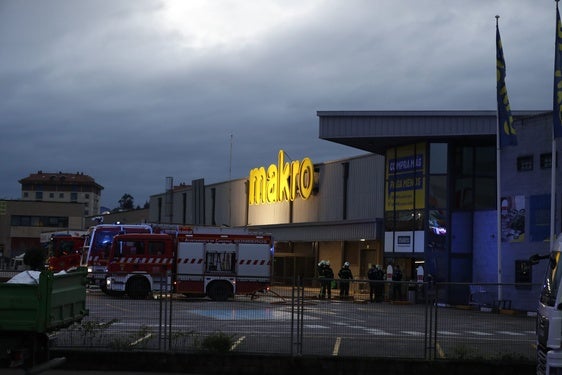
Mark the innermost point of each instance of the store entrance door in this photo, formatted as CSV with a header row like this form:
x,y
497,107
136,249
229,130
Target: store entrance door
x,y
368,258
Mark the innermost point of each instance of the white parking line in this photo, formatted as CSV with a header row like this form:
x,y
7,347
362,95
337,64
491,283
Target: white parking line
x,y
511,333
238,342
447,333
478,333
336,346
413,333
378,332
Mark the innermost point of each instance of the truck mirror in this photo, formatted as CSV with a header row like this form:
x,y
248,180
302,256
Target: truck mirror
x,y
534,259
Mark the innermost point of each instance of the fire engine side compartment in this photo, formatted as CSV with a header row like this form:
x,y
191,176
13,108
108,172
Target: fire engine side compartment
x,y
239,264
190,268
254,267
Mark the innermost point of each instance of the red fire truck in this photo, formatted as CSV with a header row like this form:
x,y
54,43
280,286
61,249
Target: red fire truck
x,y
97,246
215,262
64,251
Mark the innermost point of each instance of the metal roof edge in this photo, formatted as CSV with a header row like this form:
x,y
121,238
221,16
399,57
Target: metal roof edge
x,y
318,223
426,113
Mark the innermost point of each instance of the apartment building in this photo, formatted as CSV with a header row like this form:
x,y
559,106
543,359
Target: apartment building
x,y
63,187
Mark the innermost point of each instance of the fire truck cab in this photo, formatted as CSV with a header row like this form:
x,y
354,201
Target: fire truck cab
x,y
97,247
64,252
139,264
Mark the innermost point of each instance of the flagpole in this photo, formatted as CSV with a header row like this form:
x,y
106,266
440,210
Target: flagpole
x,y
499,216
553,194
553,163
498,197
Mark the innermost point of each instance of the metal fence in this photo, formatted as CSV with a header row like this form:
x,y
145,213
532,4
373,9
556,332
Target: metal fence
x,y
291,318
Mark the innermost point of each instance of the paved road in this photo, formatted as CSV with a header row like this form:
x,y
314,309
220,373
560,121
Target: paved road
x,y
269,325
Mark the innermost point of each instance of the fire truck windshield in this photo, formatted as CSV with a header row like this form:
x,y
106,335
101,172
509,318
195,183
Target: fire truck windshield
x,y
100,238
102,242
60,248
128,248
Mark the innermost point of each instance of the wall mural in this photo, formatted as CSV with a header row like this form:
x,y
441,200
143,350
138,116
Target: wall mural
x,y
513,218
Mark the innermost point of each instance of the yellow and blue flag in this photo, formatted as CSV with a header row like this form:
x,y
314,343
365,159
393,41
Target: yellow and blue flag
x,y
506,131
557,102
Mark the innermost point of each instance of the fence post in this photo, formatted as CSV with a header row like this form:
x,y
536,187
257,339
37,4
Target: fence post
x,y
297,319
169,291
165,313
430,319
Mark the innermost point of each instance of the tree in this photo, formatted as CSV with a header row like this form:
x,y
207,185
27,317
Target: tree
x,y
126,202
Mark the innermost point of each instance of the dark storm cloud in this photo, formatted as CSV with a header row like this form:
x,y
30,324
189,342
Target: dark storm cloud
x,y
110,89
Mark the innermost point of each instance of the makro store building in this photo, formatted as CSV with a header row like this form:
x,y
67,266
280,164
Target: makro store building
x,y
331,211
423,194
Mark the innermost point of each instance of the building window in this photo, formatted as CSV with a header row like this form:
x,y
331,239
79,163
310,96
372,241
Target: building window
x,y
539,217
39,221
20,221
39,195
546,161
525,163
438,158
51,195
474,178
61,195
73,197
36,221
87,196
407,220
25,194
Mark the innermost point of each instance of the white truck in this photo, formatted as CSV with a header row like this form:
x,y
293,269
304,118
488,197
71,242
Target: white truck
x,y
549,313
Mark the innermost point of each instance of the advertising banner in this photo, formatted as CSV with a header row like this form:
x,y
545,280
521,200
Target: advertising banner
x,y
405,185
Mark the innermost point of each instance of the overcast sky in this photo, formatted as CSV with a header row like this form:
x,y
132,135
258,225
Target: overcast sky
x,y
130,92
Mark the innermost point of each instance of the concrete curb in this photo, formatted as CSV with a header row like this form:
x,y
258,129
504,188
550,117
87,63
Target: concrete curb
x,y
234,364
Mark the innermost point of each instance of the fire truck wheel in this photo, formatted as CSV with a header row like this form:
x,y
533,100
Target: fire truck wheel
x,y
219,290
137,287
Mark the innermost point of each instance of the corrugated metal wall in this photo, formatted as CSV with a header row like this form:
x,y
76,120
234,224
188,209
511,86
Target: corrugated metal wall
x,y
365,195
330,192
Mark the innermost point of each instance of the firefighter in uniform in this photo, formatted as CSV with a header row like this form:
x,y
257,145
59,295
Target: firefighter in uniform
x,y
345,275
326,275
379,288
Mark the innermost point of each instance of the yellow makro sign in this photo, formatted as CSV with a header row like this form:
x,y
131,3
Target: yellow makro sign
x,y
281,182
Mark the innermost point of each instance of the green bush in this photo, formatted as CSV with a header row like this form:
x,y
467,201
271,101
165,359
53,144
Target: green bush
x,y
217,343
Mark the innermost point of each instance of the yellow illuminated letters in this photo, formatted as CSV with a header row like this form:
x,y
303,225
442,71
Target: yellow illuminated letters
x,y
281,182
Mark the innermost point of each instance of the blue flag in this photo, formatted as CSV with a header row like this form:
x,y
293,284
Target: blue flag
x,y
506,131
557,102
